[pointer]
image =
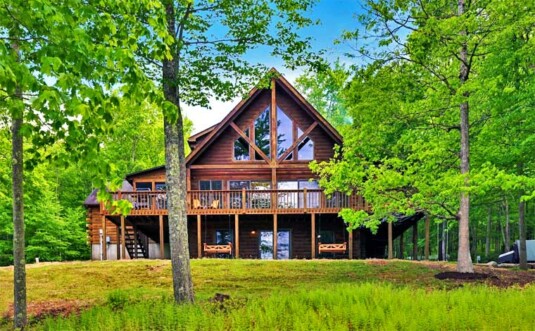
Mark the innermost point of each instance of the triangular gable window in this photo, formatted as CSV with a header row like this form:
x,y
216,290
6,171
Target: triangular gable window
x,y
287,134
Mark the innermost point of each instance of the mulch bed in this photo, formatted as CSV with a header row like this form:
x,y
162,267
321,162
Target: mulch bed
x,y
490,276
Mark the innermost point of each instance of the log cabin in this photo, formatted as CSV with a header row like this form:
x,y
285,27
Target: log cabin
x,y
250,192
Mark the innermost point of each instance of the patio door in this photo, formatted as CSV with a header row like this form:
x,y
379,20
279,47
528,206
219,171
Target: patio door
x,y
283,244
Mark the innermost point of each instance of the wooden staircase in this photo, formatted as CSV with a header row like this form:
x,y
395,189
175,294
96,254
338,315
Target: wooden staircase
x,y
137,243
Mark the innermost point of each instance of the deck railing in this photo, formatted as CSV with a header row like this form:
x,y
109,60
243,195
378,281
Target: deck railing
x,y
245,201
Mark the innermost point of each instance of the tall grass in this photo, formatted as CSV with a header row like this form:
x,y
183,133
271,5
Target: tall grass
x,y
371,306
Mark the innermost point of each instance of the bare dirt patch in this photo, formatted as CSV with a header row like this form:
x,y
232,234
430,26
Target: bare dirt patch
x,y
52,308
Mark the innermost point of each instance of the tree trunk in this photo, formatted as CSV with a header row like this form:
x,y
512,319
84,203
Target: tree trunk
x,y
175,172
427,237
487,236
415,241
401,246
522,252
507,239
464,260
19,259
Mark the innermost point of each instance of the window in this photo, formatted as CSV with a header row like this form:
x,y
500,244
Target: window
x,y
160,186
238,184
305,150
143,186
223,237
295,199
262,130
241,148
206,185
260,199
210,199
284,132
326,237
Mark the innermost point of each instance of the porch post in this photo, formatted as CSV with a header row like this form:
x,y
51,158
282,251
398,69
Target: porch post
x,y
237,236
199,247
275,236
162,251
104,243
313,236
415,241
351,244
390,252
123,247
426,248
117,241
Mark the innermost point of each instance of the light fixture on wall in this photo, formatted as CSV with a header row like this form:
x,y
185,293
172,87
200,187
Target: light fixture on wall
x,y
253,233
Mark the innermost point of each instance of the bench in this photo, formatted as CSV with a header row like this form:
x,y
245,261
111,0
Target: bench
x,y
332,248
217,249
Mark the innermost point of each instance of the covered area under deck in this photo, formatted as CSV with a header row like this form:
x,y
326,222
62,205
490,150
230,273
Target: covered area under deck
x,y
257,236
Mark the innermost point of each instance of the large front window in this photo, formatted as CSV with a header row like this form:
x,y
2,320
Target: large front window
x,y
294,196
262,133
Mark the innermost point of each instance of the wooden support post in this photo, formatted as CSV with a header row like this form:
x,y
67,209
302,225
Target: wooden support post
x,y
351,244
243,199
123,241
104,243
313,235
415,241
275,236
390,244
117,241
199,247
237,236
162,242
426,248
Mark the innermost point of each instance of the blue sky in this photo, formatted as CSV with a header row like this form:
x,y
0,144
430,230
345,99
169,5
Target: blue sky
x,y
336,16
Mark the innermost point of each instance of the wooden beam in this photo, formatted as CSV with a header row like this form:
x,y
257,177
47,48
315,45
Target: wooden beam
x,y
162,244
273,125
250,142
351,244
188,179
237,165
426,248
313,236
298,141
390,244
415,241
274,197
123,240
104,243
199,246
237,236
275,236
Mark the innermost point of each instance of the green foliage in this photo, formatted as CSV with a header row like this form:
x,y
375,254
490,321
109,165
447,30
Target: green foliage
x,y
369,306
402,152
324,90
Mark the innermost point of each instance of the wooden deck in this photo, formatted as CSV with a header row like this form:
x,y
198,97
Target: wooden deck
x,y
226,202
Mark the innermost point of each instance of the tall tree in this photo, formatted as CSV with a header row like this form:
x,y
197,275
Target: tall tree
x,y
205,62
58,64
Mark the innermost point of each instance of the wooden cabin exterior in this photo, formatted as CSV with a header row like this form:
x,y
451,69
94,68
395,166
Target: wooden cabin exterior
x,y
250,194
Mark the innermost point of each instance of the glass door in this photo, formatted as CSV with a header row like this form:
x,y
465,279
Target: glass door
x,y
266,244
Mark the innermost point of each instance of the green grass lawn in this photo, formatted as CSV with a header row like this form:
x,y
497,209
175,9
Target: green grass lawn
x,y
283,295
